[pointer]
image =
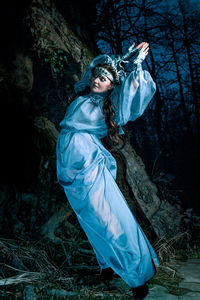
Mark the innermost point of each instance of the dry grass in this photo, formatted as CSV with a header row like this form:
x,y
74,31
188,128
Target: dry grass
x,y
49,271
22,262
166,248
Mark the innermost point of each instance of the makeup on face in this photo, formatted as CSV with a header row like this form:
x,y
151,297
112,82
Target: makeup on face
x,y
99,71
100,80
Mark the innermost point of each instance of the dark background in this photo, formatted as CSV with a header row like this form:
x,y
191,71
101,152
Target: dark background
x,y
45,47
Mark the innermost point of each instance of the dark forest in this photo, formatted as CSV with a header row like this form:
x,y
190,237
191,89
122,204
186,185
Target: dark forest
x,y
45,47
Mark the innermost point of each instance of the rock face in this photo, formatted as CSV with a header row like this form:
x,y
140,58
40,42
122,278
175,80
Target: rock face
x,y
36,84
165,219
51,33
143,189
60,59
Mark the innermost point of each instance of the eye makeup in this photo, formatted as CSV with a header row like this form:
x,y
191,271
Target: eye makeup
x,y
99,71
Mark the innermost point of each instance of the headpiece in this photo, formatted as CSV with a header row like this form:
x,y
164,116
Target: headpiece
x,y
115,61
99,71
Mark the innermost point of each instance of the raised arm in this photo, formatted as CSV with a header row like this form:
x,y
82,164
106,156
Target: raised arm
x,y
131,98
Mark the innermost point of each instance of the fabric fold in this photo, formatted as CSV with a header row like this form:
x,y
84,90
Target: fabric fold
x,y
87,172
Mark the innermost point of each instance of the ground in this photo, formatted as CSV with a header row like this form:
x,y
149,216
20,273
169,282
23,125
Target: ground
x,y
41,271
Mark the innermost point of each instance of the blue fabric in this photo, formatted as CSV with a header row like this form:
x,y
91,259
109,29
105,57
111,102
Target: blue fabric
x,y
131,98
87,172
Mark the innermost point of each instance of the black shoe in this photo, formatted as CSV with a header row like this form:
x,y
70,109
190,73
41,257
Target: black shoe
x,y
106,274
140,292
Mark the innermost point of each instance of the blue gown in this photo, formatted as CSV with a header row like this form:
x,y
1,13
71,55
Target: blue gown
x,y
87,172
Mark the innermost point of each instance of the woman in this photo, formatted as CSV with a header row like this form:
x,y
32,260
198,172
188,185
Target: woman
x,y
87,171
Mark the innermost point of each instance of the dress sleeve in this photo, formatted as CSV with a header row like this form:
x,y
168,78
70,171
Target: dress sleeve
x,y
131,98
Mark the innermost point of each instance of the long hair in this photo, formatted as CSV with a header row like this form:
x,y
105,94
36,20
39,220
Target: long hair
x,y
113,133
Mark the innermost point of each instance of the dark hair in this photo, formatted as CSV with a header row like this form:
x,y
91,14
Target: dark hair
x,y
113,133
108,109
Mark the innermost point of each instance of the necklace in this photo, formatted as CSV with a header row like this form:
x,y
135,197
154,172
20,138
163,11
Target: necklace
x,y
97,97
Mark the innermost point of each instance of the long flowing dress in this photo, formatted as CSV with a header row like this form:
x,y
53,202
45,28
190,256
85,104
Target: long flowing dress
x,y
87,172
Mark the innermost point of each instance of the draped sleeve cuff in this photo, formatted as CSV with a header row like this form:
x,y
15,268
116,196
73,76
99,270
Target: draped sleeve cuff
x,y
133,96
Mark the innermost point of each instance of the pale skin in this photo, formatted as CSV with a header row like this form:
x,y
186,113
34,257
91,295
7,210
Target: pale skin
x,y
103,84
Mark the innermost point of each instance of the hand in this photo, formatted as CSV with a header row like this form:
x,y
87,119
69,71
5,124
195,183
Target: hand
x,y
144,46
143,52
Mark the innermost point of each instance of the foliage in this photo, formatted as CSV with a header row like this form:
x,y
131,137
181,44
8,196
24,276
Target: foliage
x,y
56,58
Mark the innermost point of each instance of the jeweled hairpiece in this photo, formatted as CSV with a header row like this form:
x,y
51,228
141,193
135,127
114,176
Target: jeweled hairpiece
x,y
117,62
99,71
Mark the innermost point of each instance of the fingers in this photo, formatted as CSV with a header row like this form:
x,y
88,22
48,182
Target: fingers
x,y
144,46
145,50
141,45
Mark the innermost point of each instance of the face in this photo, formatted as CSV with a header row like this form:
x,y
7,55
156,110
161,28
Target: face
x,y
100,84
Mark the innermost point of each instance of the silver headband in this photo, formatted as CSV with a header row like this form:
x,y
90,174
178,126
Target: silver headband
x,y
117,62
99,71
